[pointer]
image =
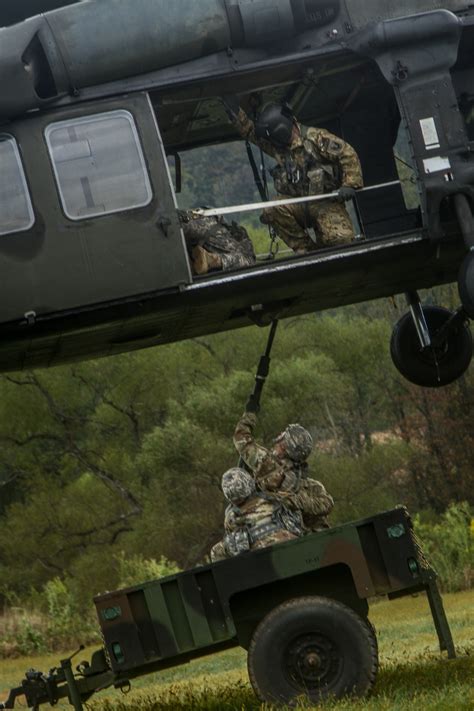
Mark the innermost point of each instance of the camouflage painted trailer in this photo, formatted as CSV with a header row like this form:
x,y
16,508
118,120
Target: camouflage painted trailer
x,y
300,609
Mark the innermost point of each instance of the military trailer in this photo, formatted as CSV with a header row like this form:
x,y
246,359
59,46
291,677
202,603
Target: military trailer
x,y
299,608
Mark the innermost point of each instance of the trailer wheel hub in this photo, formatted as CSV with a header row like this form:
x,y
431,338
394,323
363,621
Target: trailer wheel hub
x,y
312,661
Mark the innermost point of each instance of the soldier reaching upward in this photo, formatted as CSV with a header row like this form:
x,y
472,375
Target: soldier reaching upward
x,y
283,470
253,519
310,161
213,244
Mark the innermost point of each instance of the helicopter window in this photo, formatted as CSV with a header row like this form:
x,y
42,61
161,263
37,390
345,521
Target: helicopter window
x,y
99,165
16,210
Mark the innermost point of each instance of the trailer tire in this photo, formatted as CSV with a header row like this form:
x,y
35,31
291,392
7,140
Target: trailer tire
x,y
313,647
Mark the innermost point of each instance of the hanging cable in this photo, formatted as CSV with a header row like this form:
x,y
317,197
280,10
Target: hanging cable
x,y
262,374
261,182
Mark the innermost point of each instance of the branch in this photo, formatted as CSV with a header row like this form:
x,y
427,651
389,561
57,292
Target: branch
x,y
104,527
10,479
14,381
207,347
108,479
44,437
128,412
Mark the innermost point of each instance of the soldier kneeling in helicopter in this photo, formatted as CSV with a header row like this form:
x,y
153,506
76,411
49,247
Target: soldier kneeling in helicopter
x,y
214,245
253,519
310,161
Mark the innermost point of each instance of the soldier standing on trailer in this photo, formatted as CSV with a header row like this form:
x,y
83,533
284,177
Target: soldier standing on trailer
x,y
283,471
310,161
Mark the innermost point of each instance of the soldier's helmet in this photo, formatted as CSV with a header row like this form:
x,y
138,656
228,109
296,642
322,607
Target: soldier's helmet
x,y
297,441
275,124
237,485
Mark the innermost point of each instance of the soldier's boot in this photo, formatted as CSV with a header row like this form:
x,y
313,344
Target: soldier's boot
x,y
214,262
204,261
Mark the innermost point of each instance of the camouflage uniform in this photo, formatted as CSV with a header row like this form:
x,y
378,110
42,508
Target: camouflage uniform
x,y
316,162
225,246
256,521
283,477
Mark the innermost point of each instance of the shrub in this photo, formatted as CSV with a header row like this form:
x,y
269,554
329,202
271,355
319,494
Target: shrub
x,y
135,569
22,633
449,544
30,638
67,624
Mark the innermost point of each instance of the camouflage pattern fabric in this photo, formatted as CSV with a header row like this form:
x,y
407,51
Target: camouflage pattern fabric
x,y
218,552
230,243
329,220
263,463
237,485
315,503
258,522
282,477
297,442
315,163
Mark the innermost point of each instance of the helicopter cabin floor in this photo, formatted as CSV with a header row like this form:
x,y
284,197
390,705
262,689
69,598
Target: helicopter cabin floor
x,y
327,278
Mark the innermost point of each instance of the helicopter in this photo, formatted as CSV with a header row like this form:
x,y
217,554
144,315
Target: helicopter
x,y
98,97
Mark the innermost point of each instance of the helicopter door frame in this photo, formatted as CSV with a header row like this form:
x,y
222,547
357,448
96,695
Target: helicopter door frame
x,y
106,227
416,55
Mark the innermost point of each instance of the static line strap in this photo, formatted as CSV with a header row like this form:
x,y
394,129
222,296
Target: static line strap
x,y
248,207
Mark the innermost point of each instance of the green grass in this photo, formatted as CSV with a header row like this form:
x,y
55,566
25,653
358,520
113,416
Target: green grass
x,y
413,675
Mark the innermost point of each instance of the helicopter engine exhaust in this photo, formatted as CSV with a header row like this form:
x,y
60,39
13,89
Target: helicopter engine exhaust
x,y
100,41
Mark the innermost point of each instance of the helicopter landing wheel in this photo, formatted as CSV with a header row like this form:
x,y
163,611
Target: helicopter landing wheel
x,y
440,363
466,284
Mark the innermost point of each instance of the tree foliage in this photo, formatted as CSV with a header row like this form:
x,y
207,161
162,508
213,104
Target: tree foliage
x,y
123,456
110,469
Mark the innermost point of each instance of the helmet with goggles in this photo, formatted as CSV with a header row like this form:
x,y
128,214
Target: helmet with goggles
x,y
275,123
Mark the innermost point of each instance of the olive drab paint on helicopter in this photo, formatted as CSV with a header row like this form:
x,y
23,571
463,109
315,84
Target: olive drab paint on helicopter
x,y
12,11
80,254
92,257
166,622
43,57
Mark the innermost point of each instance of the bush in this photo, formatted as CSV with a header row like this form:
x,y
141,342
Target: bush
x,y
135,569
30,640
50,621
449,544
67,624
22,633
55,619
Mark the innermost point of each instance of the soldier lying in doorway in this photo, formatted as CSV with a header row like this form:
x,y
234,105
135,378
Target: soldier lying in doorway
x,y
283,471
213,244
253,519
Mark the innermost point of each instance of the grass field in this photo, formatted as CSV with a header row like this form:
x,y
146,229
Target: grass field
x,y
413,675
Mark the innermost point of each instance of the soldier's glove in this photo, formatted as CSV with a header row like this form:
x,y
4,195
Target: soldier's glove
x,y
231,105
252,405
345,194
183,217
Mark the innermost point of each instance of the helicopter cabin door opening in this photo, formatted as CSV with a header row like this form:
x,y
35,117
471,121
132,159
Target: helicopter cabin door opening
x,y
87,209
352,100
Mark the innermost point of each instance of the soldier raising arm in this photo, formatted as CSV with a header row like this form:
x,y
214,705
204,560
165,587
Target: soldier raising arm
x,y
283,470
310,161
